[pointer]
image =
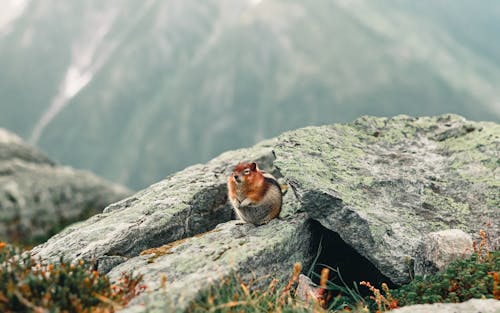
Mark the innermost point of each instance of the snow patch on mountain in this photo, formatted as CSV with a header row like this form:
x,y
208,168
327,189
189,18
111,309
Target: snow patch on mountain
x,y
11,10
89,53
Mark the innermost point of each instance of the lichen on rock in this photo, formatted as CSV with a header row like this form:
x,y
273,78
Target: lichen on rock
x,y
381,184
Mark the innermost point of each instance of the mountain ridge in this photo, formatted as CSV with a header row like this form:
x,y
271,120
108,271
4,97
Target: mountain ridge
x,y
140,90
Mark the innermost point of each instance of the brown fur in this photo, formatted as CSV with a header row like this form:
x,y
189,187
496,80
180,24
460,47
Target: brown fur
x,y
256,198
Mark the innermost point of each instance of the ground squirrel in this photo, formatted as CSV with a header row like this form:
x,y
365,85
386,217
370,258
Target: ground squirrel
x,y
255,195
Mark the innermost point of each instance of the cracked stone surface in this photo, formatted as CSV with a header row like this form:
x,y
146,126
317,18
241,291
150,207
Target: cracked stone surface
x,y
231,247
182,205
382,184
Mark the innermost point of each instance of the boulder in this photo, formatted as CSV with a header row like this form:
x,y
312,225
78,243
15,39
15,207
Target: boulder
x,y
307,291
438,249
12,147
384,183
38,198
194,263
380,184
187,203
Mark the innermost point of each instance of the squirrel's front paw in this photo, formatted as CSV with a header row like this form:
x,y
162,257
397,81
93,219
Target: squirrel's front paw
x,y
246,202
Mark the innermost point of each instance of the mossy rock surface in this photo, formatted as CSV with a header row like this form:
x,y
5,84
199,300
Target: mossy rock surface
x,y
380,183
264,252
383,183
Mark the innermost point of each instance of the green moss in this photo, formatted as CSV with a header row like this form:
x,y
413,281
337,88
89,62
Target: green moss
x,y
476,145
463,280
444,203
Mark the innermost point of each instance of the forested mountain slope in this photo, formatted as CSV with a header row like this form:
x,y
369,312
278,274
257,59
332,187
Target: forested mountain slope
x,y
134,90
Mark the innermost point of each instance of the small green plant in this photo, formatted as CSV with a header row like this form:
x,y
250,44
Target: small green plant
x,y
27,285
474,277
464,279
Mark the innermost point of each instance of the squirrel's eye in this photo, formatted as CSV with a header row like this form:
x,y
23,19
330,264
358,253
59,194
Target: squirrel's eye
x,y
246,172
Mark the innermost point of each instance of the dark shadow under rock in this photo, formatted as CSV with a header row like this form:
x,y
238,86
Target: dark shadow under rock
x,y
336,254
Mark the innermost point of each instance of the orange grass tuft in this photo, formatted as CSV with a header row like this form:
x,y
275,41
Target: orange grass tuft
x,y
496,284
297,267
384,303
322,293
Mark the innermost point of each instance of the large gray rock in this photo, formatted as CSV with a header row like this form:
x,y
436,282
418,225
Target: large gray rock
x,y
185,204
381,184
231,247
13,147
188,203
438,249
38,198
471,306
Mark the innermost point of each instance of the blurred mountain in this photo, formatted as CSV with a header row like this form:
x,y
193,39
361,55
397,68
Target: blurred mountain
x,y
134,90
39,198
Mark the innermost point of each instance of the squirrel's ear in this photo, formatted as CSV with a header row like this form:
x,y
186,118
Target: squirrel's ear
x,y
253,166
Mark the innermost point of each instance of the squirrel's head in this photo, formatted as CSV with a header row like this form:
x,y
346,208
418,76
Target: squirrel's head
x,y
246,173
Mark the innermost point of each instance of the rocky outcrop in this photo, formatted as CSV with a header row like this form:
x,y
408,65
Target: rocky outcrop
x,y
38,198
191,265
183,205
380,184
471,306
438,249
